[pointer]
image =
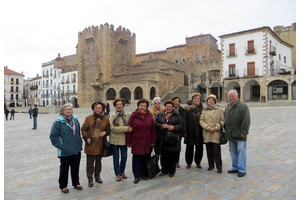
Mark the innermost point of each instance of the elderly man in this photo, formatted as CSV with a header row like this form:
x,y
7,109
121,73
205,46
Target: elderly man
x,y
237,122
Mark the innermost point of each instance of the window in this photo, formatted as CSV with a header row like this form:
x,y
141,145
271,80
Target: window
x,y
251,68
12,81
190,43
12,89
11,97
17,89
232,49
279,56
203,40
197,42
251,46
232,70
284,59
197,57
74,87
17,97
176,61
17,81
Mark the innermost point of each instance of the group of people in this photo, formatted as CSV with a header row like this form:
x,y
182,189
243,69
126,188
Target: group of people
x,y
12,113
145,131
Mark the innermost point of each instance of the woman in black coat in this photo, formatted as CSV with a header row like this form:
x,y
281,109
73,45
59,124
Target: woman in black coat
x,y
193,131
169,121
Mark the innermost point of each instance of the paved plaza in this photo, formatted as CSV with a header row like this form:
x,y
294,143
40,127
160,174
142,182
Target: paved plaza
x,y
31,166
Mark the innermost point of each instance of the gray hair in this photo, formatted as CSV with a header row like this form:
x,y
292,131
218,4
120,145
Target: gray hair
x,y
63,108
233,91
155,98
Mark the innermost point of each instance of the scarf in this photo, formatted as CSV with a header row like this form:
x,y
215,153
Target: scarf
x,y
195,109
166,117
120,115
208,107
142,113
70,121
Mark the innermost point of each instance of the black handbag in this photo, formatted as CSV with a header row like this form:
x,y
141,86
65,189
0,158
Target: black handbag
x,y
222,135
171,137
152,167
107,148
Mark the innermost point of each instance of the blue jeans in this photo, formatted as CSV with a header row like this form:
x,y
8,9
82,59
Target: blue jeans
x,y
238,152
34,122
119,167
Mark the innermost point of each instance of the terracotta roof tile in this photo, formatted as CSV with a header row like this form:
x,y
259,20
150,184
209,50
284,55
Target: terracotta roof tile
x,y
9,71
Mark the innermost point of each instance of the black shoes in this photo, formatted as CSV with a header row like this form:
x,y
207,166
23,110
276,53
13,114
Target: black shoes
x,y
91,184
233,171
78,187
162,174
171,175
136,181
241,174
99,180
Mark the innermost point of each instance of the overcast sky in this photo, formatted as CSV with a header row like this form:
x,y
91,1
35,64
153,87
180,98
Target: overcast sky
x,y
35,31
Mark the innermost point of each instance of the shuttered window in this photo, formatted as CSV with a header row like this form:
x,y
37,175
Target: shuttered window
x,y
231,49
251,46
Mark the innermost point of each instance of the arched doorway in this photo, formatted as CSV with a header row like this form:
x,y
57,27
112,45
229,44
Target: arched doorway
x,y
216,89
278,90
74,102
201,88
126,95
152,93
251,90
294,90
138,93
111,94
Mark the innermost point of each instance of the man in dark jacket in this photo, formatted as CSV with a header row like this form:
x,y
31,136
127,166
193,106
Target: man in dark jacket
x,y
34,115
6,111
237,122
12,114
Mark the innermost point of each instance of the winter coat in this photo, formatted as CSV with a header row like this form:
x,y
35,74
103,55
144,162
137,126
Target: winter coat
x,y
12,112
176,120
237,121
63,138
143,133
35,112
191,125
6,112
87,128
212,118
118,131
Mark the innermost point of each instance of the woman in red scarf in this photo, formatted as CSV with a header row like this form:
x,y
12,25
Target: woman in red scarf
x,y
141,138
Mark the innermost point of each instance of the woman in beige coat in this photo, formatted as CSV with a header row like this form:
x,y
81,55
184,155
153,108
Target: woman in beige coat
x,y
212,121
117,138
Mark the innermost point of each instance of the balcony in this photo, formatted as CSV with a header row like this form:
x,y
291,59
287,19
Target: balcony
x,y
54,87
11,82
62,81
231,54
250,51
67,81
97,85
250,72
273,51
34,87
73,80
230,75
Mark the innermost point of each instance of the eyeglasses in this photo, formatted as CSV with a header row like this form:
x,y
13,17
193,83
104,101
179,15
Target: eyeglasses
x,y
68,109
157,102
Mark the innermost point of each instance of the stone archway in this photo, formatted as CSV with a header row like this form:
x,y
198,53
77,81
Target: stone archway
x,y
216,89
111,94
251,90
278,90
152,93
233,85
138,93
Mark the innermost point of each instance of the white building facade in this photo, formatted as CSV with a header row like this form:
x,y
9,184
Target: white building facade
x,y
258,64
13,88
35,91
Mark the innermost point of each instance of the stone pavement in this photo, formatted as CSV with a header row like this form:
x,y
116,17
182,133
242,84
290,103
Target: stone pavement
x,y
31,167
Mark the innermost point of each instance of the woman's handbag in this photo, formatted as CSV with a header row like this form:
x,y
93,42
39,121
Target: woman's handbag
x,y
107,148
152,166
171,137
222,135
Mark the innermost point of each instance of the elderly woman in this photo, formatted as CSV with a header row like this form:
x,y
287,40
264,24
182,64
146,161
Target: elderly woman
x,y
94,128
154,111
193,131
212,120
65,136
117,138
179,109
141,138
169,122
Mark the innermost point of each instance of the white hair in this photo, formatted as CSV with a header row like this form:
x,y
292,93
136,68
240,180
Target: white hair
x,y
234,92
63,108
155,98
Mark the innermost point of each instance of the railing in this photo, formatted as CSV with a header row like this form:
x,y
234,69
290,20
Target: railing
x,y
73,80
231,54
62,81
250,51
34,87
67,81
253,72
232,74
273,51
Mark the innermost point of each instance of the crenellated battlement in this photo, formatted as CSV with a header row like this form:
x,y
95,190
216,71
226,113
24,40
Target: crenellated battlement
x,y
94,29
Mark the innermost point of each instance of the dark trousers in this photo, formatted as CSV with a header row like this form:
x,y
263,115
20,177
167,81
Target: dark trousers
x,y
139,165
72,161
12,116
168,161
189,154
93,166
214,154
6,115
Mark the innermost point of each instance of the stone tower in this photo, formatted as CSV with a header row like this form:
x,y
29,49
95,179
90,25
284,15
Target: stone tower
x,y
102,53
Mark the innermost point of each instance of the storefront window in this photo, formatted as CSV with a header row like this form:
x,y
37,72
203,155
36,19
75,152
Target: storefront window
x,y
278,90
